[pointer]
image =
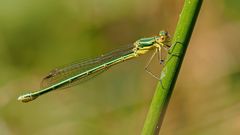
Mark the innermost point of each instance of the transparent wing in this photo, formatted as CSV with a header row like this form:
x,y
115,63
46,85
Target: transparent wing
x,y
62,73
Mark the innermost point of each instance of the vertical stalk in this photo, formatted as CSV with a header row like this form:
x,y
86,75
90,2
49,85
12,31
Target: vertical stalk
x,y
172,66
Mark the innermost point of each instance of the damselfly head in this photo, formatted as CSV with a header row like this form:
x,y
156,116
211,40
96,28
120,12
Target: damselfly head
x,y
164,36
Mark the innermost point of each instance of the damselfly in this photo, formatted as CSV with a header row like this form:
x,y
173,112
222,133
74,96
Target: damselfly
x,y
75,73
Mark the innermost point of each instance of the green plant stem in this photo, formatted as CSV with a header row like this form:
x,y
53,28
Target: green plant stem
x,y
172,66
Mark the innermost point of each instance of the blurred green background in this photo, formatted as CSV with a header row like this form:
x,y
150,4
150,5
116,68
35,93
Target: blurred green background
x,y
37,36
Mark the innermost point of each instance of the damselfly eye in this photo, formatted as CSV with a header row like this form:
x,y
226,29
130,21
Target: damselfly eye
x,y
162,38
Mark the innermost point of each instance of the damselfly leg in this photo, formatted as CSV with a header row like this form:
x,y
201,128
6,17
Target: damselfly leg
x,y
170,52
148,63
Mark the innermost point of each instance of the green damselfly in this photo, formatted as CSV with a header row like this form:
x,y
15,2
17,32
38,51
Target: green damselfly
x,y
75,73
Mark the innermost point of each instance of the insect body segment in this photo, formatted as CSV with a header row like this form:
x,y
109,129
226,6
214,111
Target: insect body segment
x,y
144,45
